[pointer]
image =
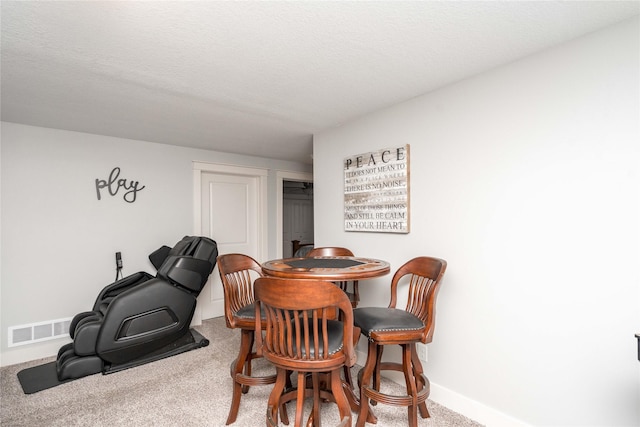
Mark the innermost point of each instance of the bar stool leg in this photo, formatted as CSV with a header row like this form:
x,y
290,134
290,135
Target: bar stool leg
x,y
247,363
412,390
365,380
418,373
300,398
246,343
315,381
340,398
274,400
376,372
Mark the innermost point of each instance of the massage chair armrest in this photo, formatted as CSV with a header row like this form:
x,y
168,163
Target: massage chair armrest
x,y
139,319
116,288
188,272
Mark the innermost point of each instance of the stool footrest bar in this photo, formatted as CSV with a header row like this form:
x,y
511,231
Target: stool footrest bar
x,y
250,380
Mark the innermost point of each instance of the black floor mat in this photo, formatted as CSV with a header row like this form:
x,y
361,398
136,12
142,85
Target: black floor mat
x,y
39,378
45,376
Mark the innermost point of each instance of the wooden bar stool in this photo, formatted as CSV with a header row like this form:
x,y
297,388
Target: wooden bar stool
x,y
238,272
303,335
387,326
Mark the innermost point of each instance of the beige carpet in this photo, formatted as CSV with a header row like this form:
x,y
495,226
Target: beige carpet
x,y
191,389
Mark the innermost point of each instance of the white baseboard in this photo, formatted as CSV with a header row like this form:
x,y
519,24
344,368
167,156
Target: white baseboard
x,y
27,353
473,409
459,403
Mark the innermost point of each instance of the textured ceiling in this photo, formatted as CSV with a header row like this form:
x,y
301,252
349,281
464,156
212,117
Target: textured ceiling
x,y
258,78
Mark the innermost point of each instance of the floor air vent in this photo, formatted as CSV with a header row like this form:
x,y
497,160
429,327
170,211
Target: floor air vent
x,y
37,332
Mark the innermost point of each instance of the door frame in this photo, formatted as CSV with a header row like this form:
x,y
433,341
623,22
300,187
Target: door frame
x,y
282,176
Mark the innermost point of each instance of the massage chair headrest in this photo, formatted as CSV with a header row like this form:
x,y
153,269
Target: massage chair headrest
x,y
189,263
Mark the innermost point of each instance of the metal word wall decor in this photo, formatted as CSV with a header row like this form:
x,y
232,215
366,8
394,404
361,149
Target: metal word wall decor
x,y
113,185
376,191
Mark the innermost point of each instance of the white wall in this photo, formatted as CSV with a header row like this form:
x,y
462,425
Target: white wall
x,y
526,180
58,240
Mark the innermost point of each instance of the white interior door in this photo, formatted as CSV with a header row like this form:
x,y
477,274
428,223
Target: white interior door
x,y
297,223
230,212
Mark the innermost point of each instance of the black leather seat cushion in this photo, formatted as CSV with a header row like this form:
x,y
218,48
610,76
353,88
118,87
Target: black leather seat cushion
x,y
335,342
249,312
377,319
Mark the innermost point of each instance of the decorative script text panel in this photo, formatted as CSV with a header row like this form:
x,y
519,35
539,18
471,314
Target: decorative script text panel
x,y
376,191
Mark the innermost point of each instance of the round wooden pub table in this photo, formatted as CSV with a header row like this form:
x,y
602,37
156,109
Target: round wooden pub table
x,y
333,268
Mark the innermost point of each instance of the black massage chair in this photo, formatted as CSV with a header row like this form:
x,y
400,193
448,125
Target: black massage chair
x,y
141,318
